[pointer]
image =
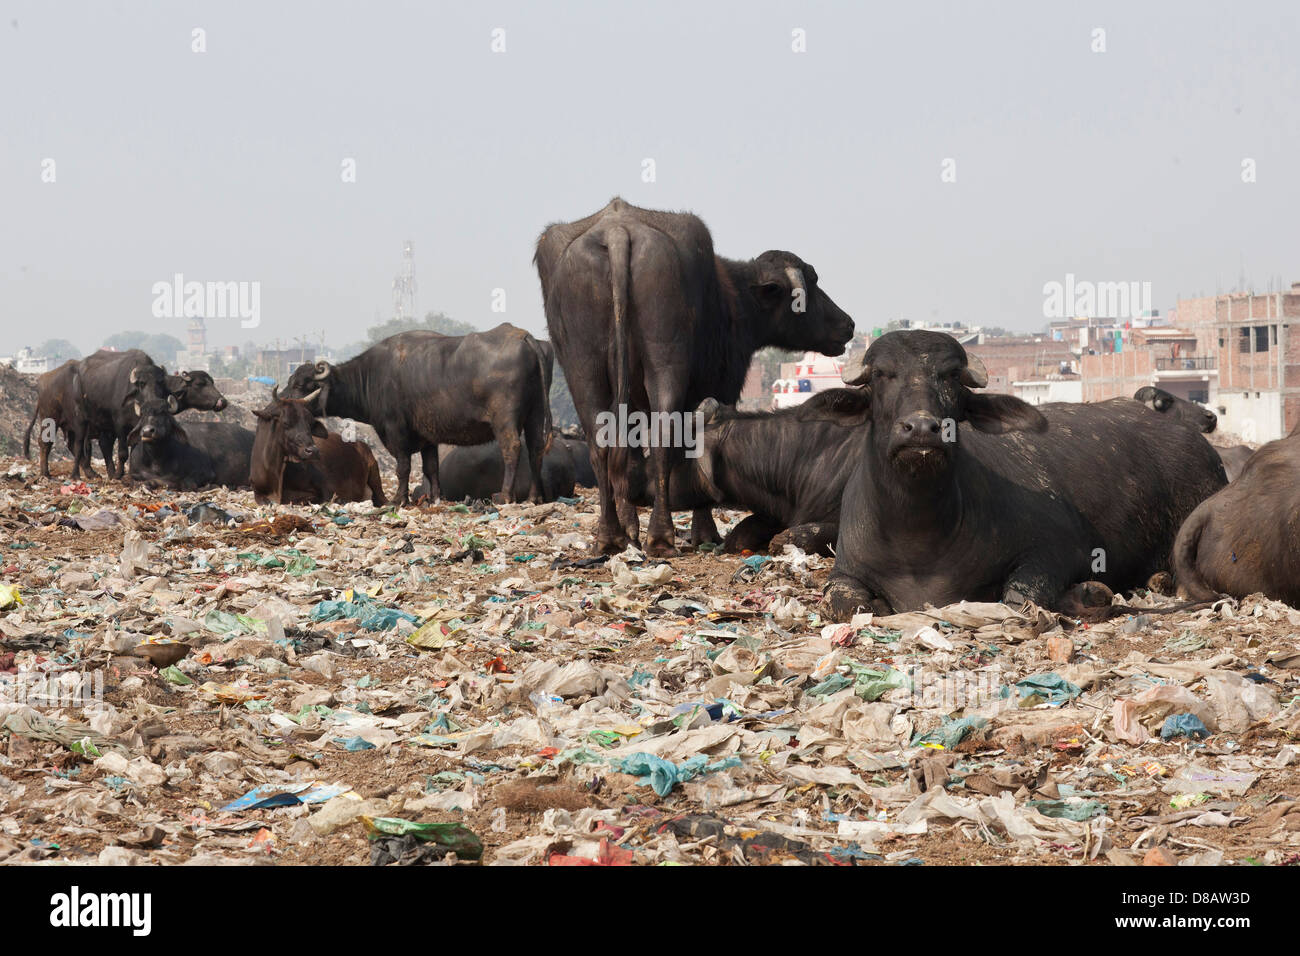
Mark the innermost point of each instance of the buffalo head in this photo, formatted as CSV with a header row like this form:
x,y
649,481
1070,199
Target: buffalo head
x,y
311,378
295,426
196,390
157,422
1158,400
798,313
915,388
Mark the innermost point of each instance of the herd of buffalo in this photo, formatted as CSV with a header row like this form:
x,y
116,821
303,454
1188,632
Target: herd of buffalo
x,y
925,489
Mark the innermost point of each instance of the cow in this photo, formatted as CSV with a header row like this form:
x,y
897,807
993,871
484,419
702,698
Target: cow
x,y
645,318
295,459
1243,539
957,494
114,382
59,407
475,472
163,452
420,388
788,467
1158,400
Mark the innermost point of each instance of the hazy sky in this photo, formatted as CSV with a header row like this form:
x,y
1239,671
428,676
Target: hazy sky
x,y
227,165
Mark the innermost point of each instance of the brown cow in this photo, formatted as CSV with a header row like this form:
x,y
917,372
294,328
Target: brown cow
x,y
1243,538
297,461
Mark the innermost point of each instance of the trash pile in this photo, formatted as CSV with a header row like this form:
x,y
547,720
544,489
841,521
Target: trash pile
x,y
192,678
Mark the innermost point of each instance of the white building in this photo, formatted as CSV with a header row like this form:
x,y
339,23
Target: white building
x,y
25,362
801,380
1050,389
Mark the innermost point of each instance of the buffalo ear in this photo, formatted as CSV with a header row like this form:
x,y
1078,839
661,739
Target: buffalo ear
x,y
268,414
133,396
318,429
843,406
996,414
133,437
709,408
856,372
179,433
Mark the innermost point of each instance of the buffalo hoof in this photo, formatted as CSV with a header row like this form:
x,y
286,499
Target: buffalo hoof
x,y
844,599
661,549
614,544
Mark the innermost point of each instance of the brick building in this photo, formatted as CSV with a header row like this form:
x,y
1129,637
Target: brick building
x,y
1017,358
1256,358
1170,358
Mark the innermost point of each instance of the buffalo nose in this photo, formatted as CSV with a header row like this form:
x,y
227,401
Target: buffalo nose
x,y
918,425
147,432
221,404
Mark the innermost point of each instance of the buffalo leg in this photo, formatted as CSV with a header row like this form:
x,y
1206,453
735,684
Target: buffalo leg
x,y
123,453
703,530
429,459
752,534
508,439
403,478
846,596
1030,583
536,438
811,538
376,484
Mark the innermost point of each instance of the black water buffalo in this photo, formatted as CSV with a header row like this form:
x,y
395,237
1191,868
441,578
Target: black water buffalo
x,y
421,388
1243,539
788,467
1157,399
163,452
112,384
296,460
476,471
645,318
963,495
58,408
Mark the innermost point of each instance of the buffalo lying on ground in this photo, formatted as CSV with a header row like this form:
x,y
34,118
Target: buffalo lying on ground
x,y
58,408
963,495
1197,416
296,460
163,452
475,471
114,382
645,318
421,388
788,467
1243,539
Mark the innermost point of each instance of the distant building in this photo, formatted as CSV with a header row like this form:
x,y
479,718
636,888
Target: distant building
x,y
26,362
801,380
1256,381
1009,359
1132,358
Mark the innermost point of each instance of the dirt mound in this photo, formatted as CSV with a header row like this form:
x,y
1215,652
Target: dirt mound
x,y
17,402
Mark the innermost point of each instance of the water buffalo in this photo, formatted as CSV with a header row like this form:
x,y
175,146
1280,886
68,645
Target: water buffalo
x,y
1157,399
163,452
645,318
963,495
1243,539
475,471
59,407
295,459
114,382
788,467
421,388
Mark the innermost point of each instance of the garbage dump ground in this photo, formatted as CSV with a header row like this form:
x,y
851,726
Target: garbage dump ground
x,y
196,679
